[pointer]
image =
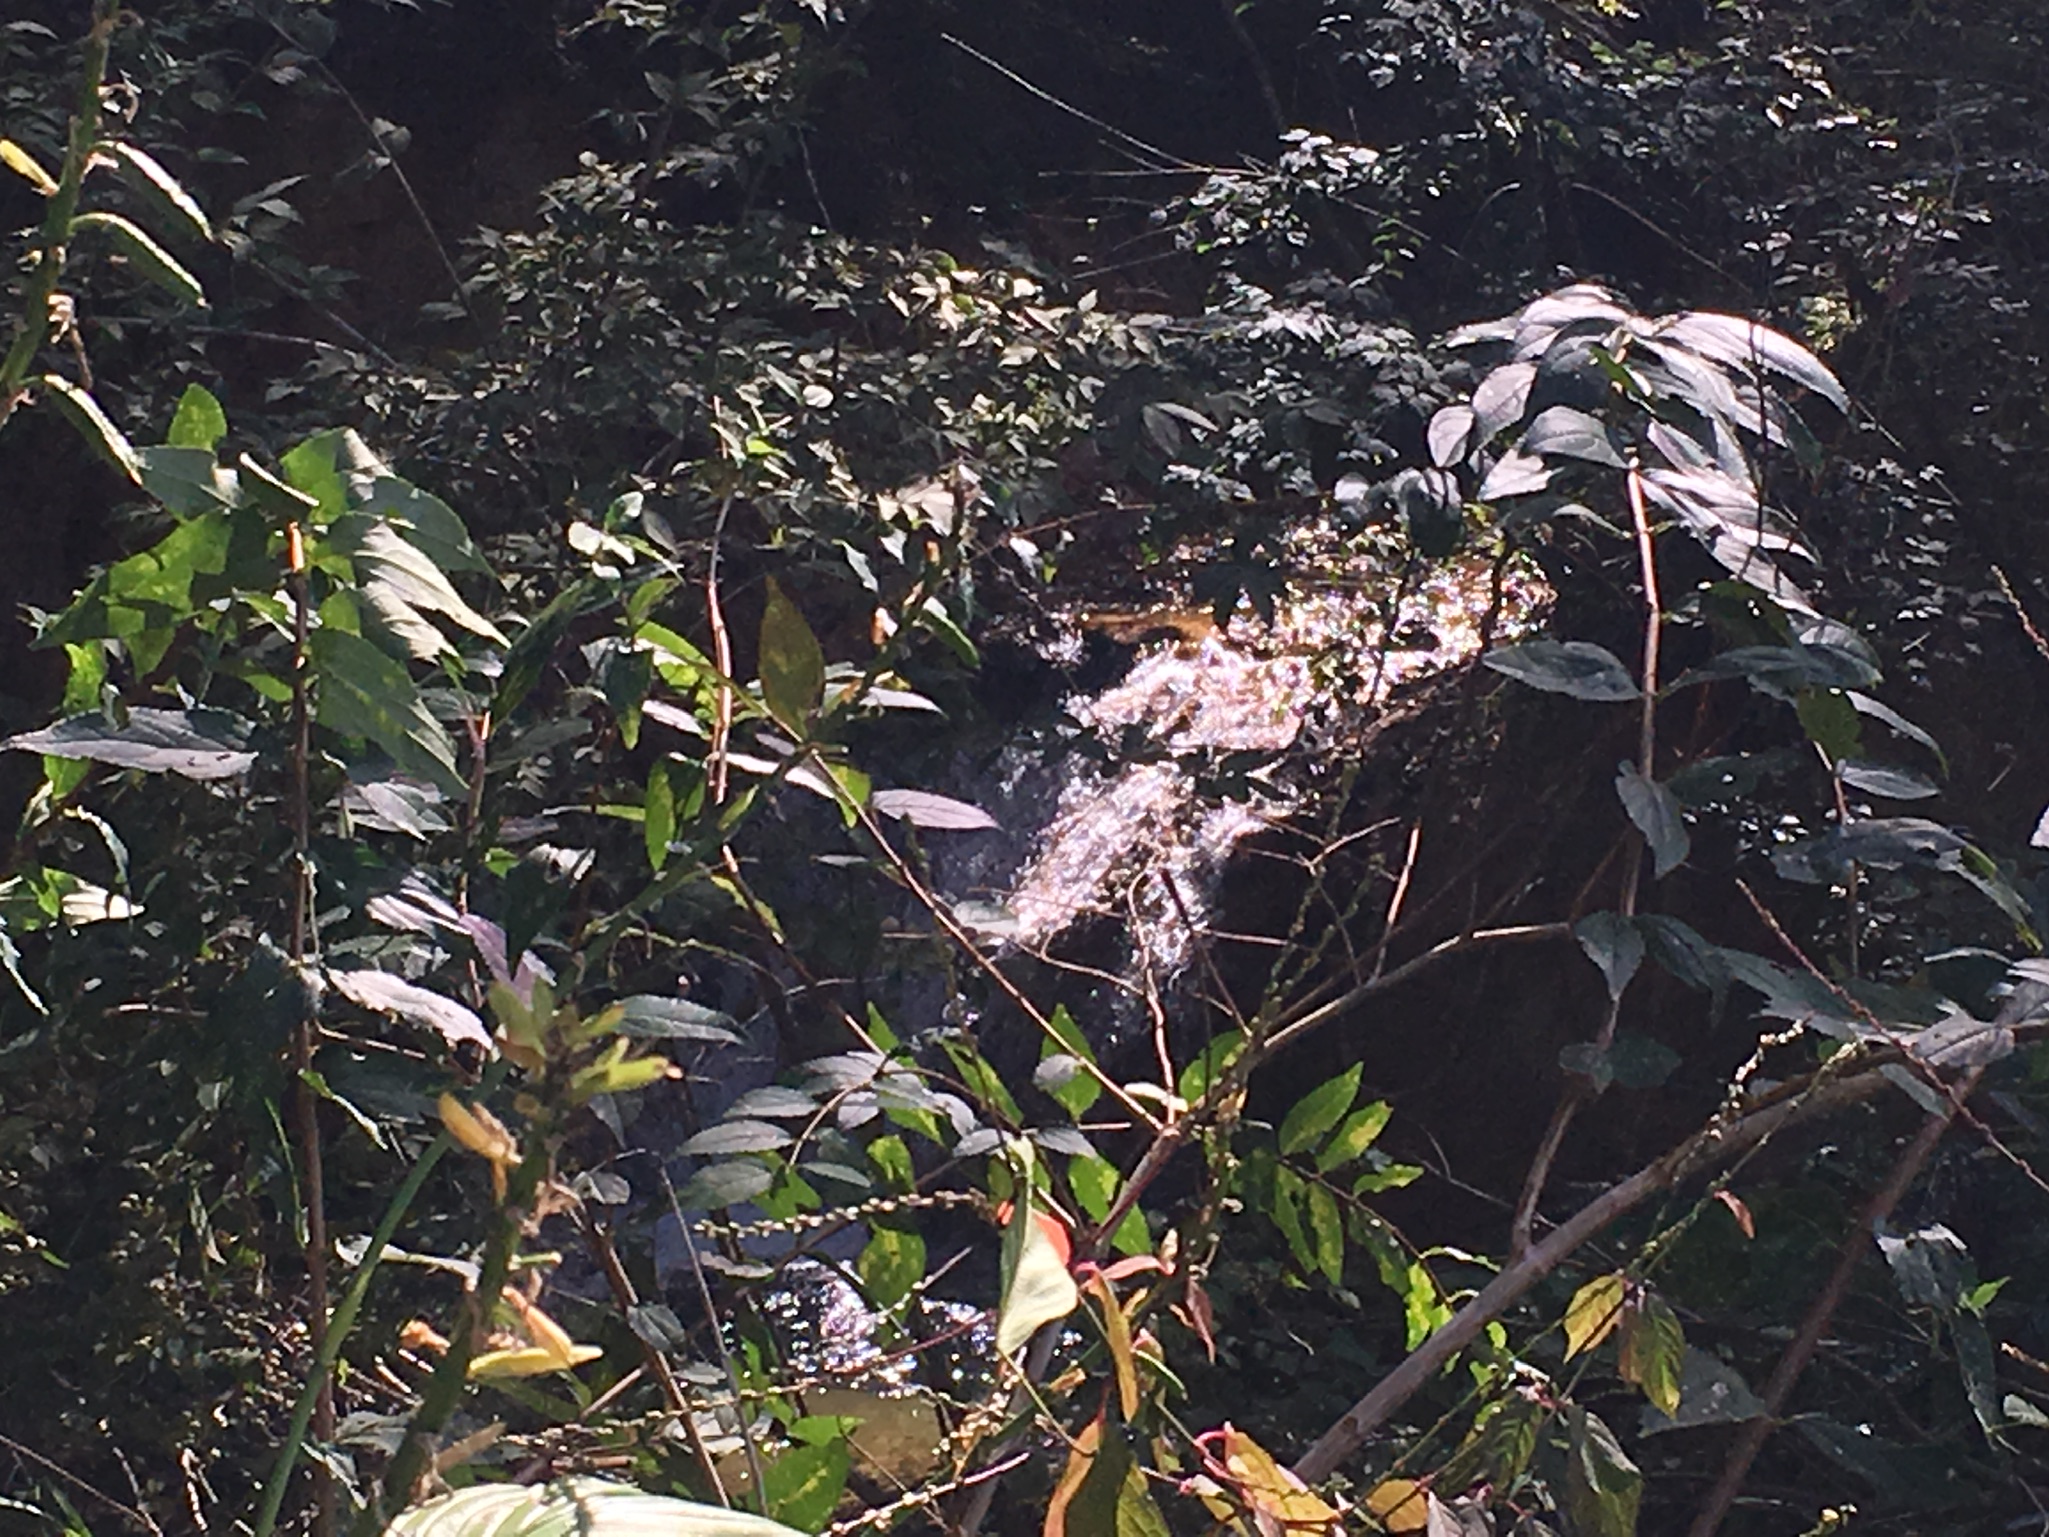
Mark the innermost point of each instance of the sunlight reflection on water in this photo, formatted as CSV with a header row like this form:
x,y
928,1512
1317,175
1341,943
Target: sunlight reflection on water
x,y
1141,841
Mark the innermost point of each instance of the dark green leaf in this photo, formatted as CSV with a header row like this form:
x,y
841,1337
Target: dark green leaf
x,y
1603,1487
1575,667
1613,943
1886,781
199,744
1657,816
1574,434
674,1019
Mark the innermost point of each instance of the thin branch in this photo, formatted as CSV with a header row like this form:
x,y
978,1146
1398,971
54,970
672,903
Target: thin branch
x,y
1712,1144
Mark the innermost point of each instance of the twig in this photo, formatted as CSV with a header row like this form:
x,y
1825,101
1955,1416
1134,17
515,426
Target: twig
x,y
305,1103
1710,1145
627,1299
2035,636
1819,1312
30,1454
1173,161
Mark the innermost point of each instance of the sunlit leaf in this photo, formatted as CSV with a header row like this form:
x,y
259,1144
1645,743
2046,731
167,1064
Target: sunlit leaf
x,y
1653,1350
1319,1110
198,744
1037,1287
574,1507
1575,667
1594,1312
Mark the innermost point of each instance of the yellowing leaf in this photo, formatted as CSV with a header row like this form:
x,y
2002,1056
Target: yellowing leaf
x,y
483,1134
1271,1489
1079,1460
1593,1313
1400,1505
23,164
529,1361
1117,1334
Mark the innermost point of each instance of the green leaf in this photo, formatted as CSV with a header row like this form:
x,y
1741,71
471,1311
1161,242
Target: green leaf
x,y
792,665
199,421
1289,1190
364,693
83,412
1578,668
1113,1499
146,256
1829,718
1358,1133
1061,1073
1327,1233
310,468
1657,816
585,1507
1653,1351
1424,1310
187,480
401,586
892,1262
1603,1487
1210,1065
659,826
804,1484
531,652
1319,1110
198,744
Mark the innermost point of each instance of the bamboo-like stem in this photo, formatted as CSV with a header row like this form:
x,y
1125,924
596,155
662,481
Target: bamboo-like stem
x,y
338,1328
32,327
415,1455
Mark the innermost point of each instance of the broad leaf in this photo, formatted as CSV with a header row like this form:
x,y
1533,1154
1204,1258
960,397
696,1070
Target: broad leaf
x,y
362,692
383,993
1603,1487
199,744
1574,434
1037,1287
1319,1110
83,412
199,421
1575,667
1653,1351
159,188
575,1507
1593,1313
